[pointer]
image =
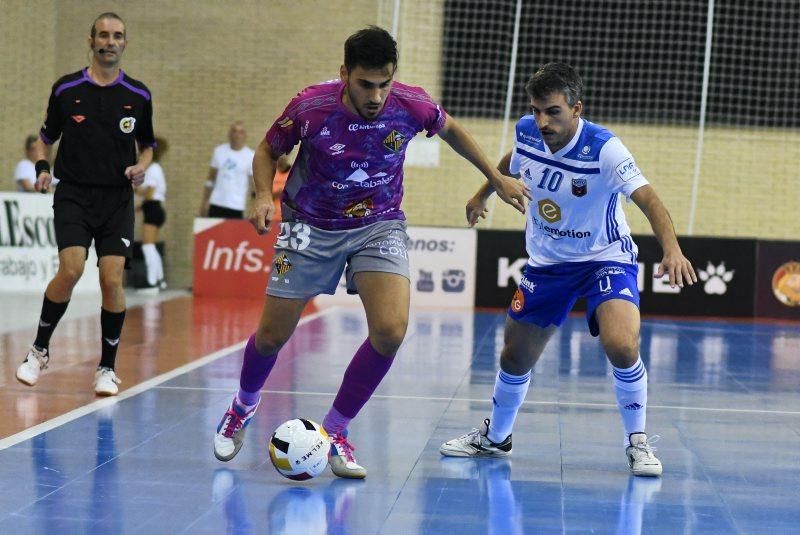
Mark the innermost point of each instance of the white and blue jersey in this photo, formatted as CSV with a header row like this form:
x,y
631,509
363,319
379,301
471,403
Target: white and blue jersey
x,y
575,215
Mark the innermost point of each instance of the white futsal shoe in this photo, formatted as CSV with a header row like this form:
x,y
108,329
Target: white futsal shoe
x,y
35,361
105,382
641,459
229,438
343,462
476,443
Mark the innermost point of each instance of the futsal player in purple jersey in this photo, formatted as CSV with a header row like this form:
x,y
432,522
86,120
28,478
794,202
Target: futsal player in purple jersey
x,y
341,212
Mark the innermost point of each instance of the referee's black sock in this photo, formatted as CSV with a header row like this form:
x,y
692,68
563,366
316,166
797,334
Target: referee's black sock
x,y
111,327
51,315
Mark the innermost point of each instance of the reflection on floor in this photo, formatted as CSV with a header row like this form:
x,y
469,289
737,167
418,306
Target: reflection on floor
x,y
723,397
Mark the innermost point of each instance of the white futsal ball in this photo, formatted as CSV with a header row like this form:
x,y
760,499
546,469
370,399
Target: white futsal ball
x,y
299,449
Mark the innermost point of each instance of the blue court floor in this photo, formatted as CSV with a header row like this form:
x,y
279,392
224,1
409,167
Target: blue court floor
x,y
723,397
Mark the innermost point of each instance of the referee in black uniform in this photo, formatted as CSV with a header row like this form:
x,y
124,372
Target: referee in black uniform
x,y
102,116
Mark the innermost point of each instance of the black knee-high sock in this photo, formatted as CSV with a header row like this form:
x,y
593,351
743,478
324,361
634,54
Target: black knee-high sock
x,y
51,315
111,326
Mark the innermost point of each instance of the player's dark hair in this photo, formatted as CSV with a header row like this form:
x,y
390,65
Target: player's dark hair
x,y
161,147
556,77
370,48
107,15
29,141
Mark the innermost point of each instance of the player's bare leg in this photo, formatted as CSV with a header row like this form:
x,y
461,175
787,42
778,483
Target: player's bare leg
x,y
619,334
71,261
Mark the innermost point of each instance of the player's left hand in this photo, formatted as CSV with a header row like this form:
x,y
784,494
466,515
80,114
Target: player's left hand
x,y
511,191
135,174
678,268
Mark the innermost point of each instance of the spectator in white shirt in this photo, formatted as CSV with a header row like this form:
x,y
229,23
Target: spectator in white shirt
x,y
153,192
230,177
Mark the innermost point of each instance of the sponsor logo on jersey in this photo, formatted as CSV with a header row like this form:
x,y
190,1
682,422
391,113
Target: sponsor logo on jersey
x,y
304,130
627,170
579,187
282,264
394,141
549,210
324,131
518,301
609,270
529,138
285,122
527,284
127,124
355,127
360,178
336,149
78,118
359,209
557,234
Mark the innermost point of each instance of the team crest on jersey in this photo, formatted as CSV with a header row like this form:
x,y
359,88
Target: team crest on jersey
x,y
579,187
359,209
282,265
518,301
394,141
127,124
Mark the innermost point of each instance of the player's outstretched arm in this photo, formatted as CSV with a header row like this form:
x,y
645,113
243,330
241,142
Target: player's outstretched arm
x,y
509,190
673,264
265,162
477,205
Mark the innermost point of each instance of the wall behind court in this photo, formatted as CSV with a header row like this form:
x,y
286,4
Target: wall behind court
x,y
209,63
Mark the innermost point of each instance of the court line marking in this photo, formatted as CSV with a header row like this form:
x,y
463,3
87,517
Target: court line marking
x,y
472,400
135,390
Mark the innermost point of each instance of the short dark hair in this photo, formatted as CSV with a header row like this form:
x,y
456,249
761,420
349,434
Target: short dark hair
x,y
29,141
160,148
556,77
370,48
107,15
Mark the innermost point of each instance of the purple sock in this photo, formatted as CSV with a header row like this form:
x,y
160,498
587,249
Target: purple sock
x,y
255,370
361,378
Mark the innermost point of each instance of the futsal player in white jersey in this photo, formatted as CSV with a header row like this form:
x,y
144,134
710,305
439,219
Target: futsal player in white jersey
x,y
579,245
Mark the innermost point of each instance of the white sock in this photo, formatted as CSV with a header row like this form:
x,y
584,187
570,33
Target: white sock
x,y
152,260
509,393
630,385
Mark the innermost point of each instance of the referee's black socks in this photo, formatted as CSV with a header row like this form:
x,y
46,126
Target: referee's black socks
x,y
111,327
51,315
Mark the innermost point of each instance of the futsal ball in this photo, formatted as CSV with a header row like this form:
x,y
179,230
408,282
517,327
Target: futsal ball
x,y
299,449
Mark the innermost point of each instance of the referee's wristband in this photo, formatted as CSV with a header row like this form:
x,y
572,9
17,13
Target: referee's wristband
x,y
42,166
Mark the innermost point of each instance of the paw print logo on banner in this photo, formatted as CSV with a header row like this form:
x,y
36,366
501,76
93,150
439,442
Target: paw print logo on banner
x,y
716,279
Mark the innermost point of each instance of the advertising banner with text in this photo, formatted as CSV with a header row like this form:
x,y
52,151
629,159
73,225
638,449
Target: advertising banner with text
x,y
28,249
442,269
726,269
230,258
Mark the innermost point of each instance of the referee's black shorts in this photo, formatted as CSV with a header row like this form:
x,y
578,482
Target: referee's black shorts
x,y
153,213
83,213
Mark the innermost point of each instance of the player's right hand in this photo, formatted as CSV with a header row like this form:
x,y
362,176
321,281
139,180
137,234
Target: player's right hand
x,y
513,192
261,214
476,208
43,182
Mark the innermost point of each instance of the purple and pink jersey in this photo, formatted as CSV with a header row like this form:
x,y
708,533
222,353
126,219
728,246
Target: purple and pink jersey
x,y
349,171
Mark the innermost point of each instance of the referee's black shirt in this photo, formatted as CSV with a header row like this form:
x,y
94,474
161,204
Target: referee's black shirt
x,y
99,127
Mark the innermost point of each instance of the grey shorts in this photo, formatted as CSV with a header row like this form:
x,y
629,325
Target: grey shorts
x,y
309,261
